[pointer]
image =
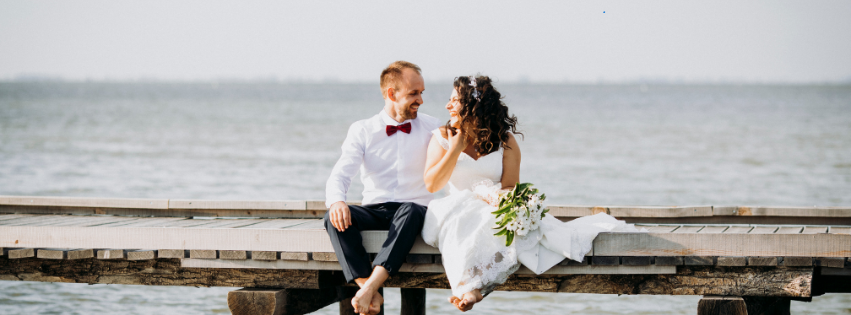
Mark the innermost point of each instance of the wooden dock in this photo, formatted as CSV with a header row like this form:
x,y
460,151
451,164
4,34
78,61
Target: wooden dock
x,y
279,250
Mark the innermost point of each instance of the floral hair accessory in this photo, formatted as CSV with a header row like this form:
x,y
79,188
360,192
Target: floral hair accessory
x,y
475,91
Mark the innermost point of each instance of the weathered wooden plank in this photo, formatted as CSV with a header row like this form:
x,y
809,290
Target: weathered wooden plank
x,y
267,255
762,261
699,260
171,253
320,204
764,229
310,225
146,254
276,223
724,244
143,222
293,240
110,254
576,211
797,261
45,253
6,217
203,254
737,281
739,229
81,253
302,256
714,229
238,204
637,260
656,212
772,211
840,230
669,261
84,202
233,254
324,256
814,230
36,220
103,221
225,223
159,272
728,261
420,268
661,228
789,230
24,220
20,253
728,281
605,260
688,229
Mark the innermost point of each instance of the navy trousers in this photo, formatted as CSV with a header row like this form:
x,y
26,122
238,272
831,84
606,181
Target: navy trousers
x,y
403,221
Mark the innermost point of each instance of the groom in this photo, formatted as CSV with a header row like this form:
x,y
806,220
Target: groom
x,y
389,150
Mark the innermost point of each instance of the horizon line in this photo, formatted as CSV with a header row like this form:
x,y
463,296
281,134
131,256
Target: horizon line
x,y
275,80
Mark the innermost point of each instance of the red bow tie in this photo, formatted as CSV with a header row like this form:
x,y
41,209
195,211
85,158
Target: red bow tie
x,y
406,128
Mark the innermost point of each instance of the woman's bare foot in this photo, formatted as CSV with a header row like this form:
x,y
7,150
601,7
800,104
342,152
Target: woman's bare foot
x,y
466,302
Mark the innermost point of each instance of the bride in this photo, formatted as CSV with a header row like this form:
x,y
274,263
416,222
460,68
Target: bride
x,y
477,146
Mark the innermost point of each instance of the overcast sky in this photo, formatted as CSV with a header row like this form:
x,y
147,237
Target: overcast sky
x,y
588,41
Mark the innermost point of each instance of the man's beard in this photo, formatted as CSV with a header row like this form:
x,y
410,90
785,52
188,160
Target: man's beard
x,y
408,113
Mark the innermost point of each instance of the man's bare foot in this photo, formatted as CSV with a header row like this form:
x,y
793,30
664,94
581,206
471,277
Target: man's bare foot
x,y
375,306
466,302
362,300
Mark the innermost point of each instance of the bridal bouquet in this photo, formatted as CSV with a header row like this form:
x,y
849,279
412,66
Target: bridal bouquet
x,y
519,211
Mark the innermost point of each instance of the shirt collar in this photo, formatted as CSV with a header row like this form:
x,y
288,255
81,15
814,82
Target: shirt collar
x,y
387,120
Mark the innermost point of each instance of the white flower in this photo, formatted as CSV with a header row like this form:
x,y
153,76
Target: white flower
x,y
522,231
524,221
512,226
534,226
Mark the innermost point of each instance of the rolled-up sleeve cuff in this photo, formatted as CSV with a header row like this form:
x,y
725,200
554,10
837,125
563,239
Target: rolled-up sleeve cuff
x,y
331,200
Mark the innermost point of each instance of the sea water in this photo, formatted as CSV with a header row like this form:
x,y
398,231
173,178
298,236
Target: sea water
x,y
631,144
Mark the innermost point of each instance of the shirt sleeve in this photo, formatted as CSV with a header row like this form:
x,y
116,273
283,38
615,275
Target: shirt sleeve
x,y
346,167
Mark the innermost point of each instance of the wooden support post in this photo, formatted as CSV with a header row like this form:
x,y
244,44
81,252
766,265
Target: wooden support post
x,y
282,301
721,305
413,301
346,307
758,305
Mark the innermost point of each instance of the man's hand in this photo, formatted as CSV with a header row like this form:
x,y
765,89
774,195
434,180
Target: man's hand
x,y
341,217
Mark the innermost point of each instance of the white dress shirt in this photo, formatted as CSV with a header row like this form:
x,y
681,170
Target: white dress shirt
x,y
391,167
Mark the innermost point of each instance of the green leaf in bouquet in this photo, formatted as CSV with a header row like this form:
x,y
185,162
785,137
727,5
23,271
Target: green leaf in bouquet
x,y
501,232
509,238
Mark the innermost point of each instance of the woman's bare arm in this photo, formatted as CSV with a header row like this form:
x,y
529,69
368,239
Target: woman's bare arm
x,y
510,163
440,162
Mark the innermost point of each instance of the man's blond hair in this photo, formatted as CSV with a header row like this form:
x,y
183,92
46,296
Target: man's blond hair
x,y
393,74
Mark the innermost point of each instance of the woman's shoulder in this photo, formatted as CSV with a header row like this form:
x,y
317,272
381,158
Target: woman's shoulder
x,y
441,132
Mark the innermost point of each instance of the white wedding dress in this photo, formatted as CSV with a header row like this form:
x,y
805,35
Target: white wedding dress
x,y
460,225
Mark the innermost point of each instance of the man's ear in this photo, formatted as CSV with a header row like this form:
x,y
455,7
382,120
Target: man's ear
x,y
391,94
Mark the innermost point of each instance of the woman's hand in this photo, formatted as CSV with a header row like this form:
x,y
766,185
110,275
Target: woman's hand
x,y
457,139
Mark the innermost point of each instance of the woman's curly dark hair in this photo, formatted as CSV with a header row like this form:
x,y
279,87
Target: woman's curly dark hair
x,y
486,116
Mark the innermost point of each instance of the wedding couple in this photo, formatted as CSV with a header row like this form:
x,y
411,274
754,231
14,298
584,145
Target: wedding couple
x,y
403,157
